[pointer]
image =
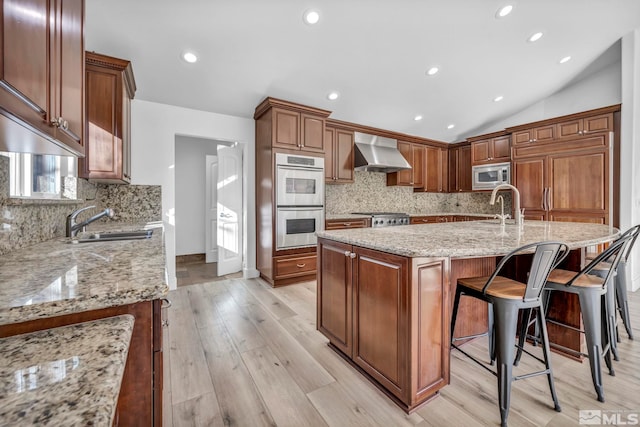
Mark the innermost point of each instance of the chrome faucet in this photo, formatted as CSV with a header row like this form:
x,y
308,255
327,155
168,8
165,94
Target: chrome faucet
x,y
518,213
73,227
502,216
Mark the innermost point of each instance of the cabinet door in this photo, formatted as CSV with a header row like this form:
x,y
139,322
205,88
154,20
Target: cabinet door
x,y
104,140
24,76
570,128
601,123
418,165
381,318
329,167
312,133
544,133
335,293
463,171
286,129
403,177
529,179
500,149
480,151
433,170
579,182
68,73
344,156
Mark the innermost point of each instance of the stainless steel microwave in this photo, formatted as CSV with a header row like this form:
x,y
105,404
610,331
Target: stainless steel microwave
x,y
487,177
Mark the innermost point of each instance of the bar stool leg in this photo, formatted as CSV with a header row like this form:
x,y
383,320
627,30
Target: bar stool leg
x,y
622,297
542,324
590,306
491,334
606,337
454,314
611,318
506,324
522,337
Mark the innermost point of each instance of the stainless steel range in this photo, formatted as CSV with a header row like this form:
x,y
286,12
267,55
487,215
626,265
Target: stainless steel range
x,y
386,219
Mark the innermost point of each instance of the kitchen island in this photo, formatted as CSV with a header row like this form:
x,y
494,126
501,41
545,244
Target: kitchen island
x,y
385,294
58,283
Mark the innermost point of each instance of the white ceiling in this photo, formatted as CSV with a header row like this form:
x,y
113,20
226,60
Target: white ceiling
x,y
374,53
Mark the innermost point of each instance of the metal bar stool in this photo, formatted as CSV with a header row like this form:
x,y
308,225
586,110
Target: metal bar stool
x,y
620,281
506,298
591,289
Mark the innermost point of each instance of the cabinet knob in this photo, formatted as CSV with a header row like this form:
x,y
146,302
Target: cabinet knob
x,y
352,255
60,123
347,253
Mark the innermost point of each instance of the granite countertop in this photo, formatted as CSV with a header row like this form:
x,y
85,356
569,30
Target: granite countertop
x,y
411,214
43,382
470,239
57,277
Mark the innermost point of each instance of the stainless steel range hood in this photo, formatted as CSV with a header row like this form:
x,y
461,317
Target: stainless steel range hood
x,y
377,154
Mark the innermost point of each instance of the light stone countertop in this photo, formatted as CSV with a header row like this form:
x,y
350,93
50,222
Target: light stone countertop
x,y
56,277
66,376
411,214
470,239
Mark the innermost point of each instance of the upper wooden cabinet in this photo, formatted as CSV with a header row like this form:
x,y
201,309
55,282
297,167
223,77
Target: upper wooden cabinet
x,y
436,168
42,71
564,128
460,168
490,149
414,177
338,156
110,87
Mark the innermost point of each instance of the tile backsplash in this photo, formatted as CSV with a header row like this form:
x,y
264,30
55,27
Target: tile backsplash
x,y
370,193
24,222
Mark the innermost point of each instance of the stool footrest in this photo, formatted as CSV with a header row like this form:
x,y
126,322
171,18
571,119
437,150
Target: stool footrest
x,y
532,374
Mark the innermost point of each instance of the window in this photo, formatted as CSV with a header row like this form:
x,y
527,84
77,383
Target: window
x,y
39,176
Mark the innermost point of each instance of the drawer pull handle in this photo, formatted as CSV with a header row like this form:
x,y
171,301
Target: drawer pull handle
x,y
300,265
346,224
166,303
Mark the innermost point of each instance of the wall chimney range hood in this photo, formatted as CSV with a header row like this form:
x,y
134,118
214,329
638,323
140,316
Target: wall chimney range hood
x,y
377,154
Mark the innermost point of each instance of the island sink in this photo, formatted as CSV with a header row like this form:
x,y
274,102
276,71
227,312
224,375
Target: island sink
x,y
117,235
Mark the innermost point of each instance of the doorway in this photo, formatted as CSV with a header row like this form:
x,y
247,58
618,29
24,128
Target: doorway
x,y
199,184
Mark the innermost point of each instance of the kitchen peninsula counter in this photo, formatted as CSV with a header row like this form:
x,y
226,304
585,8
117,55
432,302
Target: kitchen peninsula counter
x,y
385,294
59,283
64,376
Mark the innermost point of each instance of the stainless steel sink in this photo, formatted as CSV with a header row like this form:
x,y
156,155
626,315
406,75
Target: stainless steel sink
x,y
117,235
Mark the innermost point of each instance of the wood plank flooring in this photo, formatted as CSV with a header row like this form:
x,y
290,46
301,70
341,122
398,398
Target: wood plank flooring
x,y
240,353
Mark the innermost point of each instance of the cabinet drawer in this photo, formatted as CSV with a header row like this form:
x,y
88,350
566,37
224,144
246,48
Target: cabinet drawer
x,y
338,224
299,265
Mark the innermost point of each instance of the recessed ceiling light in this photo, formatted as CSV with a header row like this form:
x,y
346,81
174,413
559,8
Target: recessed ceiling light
x,y
498,98
433,70
535,37
451,126
565,59
311,17
504,11
332,96
417,118
190,57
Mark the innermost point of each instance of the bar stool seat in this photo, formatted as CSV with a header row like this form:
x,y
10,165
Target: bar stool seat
x,y
506,297
584,281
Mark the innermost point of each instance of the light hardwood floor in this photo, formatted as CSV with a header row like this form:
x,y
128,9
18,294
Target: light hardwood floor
x,y
239,353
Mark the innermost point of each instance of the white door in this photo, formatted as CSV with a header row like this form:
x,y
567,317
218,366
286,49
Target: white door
x,y
211,209
229,209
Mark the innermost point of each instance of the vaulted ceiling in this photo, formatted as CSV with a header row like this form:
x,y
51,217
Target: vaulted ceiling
x,y
375,54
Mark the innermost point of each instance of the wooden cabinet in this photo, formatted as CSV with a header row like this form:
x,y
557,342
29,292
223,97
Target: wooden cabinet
x,y
140,398
414,177
388,314
430,219
340,224
584,126
566,184
338,156
298,131
490,149
460,168
42,72
538,134
110,86
283,127
436,169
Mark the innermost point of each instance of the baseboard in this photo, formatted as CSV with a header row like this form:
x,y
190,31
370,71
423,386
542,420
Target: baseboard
x,y
190,259
250,273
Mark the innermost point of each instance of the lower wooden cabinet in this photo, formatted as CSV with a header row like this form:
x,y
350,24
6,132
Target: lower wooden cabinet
x,y
289,266
340,224
389,315
430,219
140,398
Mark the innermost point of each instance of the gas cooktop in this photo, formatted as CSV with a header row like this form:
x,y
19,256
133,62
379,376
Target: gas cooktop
x,y
386,219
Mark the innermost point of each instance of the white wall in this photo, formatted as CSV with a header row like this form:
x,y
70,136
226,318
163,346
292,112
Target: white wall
x,y
630,145
190,173
153,134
